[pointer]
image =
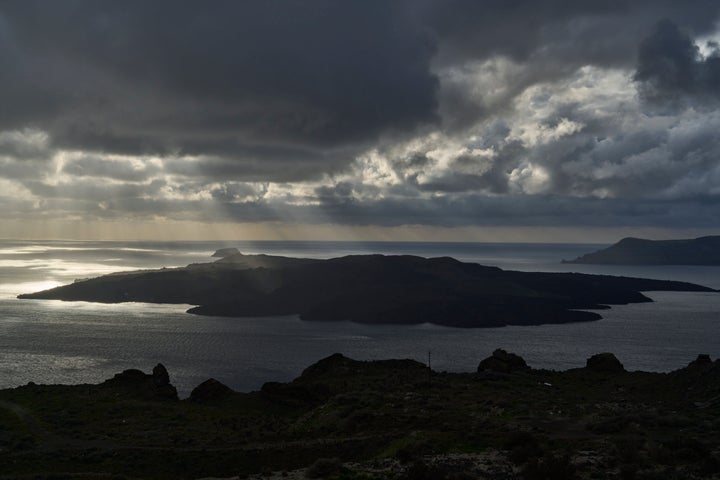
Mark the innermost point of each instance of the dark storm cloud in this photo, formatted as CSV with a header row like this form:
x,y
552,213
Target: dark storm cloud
x,y
550,39
93,191
446,112
529,210
208,78
670,68
258,163
477,210
215,78
604,33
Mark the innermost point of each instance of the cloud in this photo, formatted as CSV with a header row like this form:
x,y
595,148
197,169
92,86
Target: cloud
x,y
671,70
231,76
490,51
111,168
433,112
26,144
579,32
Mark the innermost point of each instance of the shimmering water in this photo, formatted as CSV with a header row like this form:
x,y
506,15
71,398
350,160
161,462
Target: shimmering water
x,y
78,342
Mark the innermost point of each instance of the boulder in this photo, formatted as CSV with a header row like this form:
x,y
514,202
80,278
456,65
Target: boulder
x,y
210,390
502,362
702,360
604,362
161,377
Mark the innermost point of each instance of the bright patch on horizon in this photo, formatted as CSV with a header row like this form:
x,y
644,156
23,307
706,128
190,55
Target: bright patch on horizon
x,y
14,289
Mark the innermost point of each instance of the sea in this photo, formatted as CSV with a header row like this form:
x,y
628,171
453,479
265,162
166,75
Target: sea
x,y
50,341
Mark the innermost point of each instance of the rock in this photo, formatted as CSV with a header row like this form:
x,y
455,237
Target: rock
x,y
702,360
130,375
226,252
502,362
210,390
160,375
604,362
135,383
335,364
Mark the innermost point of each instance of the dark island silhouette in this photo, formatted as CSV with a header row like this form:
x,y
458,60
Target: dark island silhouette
x,y
638,251
374,289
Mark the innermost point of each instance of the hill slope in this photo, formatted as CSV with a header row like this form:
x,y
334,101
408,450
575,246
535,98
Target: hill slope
x,y
383,420
638,251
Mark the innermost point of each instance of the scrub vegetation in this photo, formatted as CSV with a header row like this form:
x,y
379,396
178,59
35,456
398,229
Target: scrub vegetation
x,y
391,419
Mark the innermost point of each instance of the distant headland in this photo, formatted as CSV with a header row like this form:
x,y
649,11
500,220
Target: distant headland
x,y
638,251
375,289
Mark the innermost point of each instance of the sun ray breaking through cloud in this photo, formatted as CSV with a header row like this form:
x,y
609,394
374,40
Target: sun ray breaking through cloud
x,y
452,119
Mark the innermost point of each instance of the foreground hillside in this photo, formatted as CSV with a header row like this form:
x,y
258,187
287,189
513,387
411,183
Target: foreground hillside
x,y
638,251
370,289
391,419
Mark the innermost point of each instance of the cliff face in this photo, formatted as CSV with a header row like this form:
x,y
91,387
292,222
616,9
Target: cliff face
x,y
370,289
637,251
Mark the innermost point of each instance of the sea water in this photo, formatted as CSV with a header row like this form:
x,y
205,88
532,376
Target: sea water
x,y
48,341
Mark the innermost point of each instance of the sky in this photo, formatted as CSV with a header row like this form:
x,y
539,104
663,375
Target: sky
x,y
441,120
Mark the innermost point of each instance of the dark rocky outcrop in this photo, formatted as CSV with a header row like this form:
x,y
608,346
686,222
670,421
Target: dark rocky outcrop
x,y
161,377
137,384
605,363
336,364
702,360
638,251
209,391
328,376
502,362
129,376
226,252
371,289
701,379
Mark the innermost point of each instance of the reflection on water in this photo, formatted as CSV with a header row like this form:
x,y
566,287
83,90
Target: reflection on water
x,y
11,290
80,342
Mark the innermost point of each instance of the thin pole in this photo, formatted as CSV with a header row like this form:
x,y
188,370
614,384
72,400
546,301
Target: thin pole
x,y
429,367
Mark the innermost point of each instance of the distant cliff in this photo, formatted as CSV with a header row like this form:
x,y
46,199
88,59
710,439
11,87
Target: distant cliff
x,y
370,289
638,251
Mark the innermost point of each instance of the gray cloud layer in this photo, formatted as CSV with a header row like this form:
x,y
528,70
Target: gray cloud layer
x,y
671,69
451,112
215,78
